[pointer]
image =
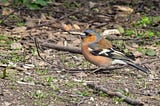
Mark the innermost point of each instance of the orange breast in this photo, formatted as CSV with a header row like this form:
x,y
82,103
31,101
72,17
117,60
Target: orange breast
x,y
96,60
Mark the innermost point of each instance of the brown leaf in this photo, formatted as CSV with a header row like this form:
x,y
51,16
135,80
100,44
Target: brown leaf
x,y
19,29
137,54
6,3
111,32
76,26
6,11
124,9
67,27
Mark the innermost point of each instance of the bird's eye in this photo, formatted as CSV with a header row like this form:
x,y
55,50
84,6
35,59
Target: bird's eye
x,y
89,35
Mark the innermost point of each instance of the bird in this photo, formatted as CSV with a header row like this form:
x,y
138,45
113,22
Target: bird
x,y
100,52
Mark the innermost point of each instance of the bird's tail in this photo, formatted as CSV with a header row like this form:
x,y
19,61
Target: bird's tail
x,y
143,69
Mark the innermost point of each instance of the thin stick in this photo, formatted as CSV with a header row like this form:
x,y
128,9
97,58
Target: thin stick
x,y
13,67
38,47
62,48
117,94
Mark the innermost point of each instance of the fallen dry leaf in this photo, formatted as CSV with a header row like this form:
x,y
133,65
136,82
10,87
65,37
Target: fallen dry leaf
x,y
76,26
124,9
6,11
67,27
137,54
19,29
6,3
30,23
111,32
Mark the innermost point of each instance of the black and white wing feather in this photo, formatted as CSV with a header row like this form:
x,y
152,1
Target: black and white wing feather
x,y
118,57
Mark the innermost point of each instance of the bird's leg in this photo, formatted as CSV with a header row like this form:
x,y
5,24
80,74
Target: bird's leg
x,y
100,68
103,69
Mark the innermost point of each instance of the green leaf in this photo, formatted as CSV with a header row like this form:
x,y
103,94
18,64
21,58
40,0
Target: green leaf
x,y
4,0
129,32
150,34
33,6
121,29
142,50
41,2
140,35
25,1
145,21
150,52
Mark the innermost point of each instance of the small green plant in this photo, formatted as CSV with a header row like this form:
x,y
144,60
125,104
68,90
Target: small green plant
x,y
150,52
85,64
4,73
19,24
35,4
4,40
70,84
102,94
129,32
151,34
124,92
73,5
41,72
144,21
11,58
14,57
71,64
39,94
85,93
31,4
117,100
49,79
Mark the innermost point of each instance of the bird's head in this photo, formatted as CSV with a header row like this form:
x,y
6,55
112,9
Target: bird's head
x,y
90,36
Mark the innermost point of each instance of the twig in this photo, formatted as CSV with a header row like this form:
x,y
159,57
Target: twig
x,y
93,70
13,67
117,94
62,48
3,19
150,61
67,15
38,47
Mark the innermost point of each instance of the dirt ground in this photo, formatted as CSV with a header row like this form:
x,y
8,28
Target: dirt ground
x,y
60,79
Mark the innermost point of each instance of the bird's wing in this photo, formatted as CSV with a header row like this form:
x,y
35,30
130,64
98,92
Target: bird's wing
x,y
118,58
110,53
104,48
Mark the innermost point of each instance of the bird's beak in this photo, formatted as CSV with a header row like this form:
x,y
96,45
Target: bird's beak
x,y
83,35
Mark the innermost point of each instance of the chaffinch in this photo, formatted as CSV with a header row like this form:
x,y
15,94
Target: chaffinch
x,y
100,52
